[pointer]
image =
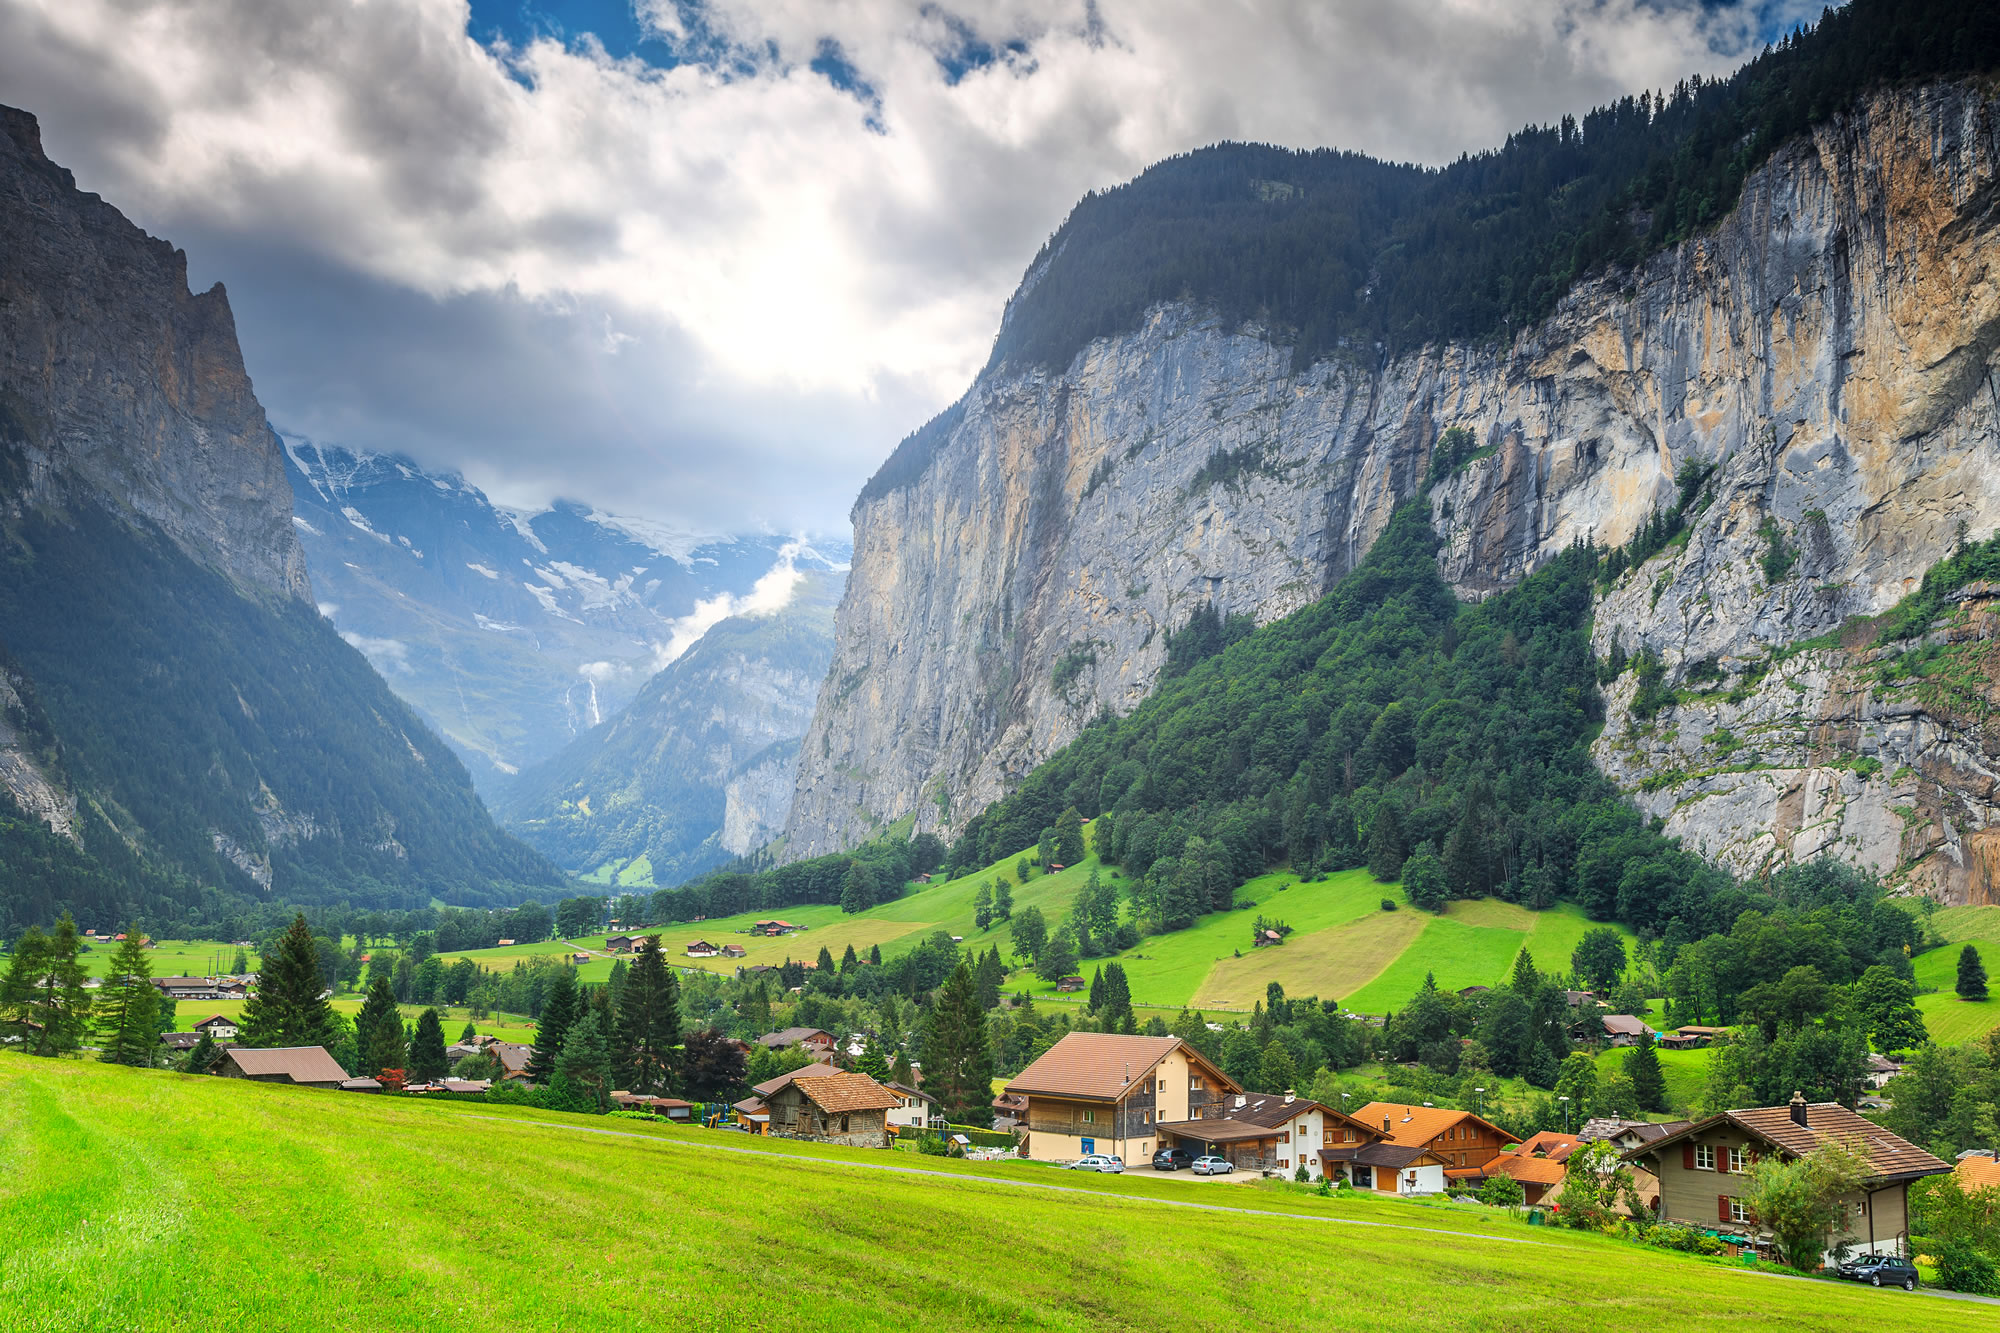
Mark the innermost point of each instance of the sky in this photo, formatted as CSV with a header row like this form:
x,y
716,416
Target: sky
x,y
706,261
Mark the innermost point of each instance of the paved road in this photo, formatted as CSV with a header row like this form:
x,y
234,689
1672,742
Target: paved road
x,y
861,1164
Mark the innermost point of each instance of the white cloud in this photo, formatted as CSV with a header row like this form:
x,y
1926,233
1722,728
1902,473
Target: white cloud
x,y
770,594
387,655
722,296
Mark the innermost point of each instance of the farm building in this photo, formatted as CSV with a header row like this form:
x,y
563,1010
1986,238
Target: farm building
x,y
844,1108
306,1066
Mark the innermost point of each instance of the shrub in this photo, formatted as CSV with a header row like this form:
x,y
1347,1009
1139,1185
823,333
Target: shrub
x,y
1388,904
1503,1192
1962,1268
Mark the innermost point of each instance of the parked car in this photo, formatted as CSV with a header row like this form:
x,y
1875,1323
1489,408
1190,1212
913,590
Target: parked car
x,y
1098,1161
1881,1270
1172,1159
1212,1166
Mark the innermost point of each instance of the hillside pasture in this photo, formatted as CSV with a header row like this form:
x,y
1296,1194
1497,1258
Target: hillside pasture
x,y
512,1218
1949,1019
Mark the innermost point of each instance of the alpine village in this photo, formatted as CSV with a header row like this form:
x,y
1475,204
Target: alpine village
x,y
1411,753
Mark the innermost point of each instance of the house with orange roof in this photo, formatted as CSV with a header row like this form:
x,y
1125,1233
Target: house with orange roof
x,y
1978,1173
1463,1142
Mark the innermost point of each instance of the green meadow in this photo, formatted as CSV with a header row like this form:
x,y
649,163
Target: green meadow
x,y
1950,1019
336,1211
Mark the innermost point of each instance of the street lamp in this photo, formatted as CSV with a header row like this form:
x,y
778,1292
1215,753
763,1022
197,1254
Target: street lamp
x,y
1565,1102
1482,1101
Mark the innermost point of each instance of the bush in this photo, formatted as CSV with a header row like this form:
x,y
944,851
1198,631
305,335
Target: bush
x,y
1962,1268
1684,1238
1503,1192
1388,904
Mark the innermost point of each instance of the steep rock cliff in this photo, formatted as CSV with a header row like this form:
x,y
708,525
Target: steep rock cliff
x,y
1826,348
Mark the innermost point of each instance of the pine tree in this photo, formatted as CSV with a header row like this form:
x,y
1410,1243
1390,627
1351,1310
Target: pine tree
x,y
128,1007
561,1007
428,1061
989,974
43,997
1971,975
387,1049
857,894
203,1057
1527,979
848,961
755,1007
1069,837
875,955
871,1063
1096,999
240,964
1116,1009
287,1008
1385,846
583,1070
958,1065
824,963
470,1035
378,1011
646,1043
1649,1082
1003,899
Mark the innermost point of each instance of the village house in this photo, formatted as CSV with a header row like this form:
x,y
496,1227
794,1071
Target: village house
x,y
673,1108
1701,1169
620,944
752,1111
917,1109
702,949
1099,1092
844,1108
1978,1171
734,951
513,1058
819,1044
773,928
1270,1132
1880,1070
180,1041
1070,985
1622,1029
186,988
1462,1142
305,1066
1538,1163
1264,939
1690,1037
218,1027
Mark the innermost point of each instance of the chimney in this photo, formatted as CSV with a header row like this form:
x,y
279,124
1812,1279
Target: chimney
x,y
1798,1109
1128,1073
1385,1124
1241,1100
1290,1096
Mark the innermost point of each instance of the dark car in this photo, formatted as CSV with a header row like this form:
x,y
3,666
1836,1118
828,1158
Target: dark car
x,y
1172,1159
1881,1270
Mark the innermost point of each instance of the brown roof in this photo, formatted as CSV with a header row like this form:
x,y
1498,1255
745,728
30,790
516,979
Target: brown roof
x,y
1889,1156
777,1041
1394,1156
848,1092
512,1055
1623,1025
1978,1173
1528,1170
1100,1066
769,1086
1271,1108
1555,1147
1217,1130
1419,1124
301,1064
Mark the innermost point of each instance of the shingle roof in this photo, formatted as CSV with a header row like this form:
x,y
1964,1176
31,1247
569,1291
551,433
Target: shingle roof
x,y
1394,1156
769,1086
1975,1173
512,1055
1528,1170
777,1041
1889,1156
1555,1147
1217,1130
1624,1025
1420,1124
1271,1108
302,1064
848,1092
1100,1066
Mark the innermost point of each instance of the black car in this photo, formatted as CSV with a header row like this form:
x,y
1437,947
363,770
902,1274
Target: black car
x,y
1172,1159
1881,1270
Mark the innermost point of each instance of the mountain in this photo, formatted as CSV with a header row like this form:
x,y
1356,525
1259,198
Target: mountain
x,y
512,633
182,734
698,768
1167,437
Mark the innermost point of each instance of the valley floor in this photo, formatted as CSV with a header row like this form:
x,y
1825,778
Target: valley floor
x,y
147,1200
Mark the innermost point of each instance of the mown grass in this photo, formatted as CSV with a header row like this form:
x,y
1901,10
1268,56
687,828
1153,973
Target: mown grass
x,y
149,1201
1475,944
507,1027
1949,1019
1686,1071
169,958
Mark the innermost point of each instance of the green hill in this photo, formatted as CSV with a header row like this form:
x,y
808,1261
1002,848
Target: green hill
x,y
339,1210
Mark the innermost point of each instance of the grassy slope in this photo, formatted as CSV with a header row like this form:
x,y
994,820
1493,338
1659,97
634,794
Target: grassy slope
x,y
486,1217
1949,1018
1686,1071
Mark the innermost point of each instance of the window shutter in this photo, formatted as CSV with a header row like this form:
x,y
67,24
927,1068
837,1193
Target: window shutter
x,y
1687,1156
1722,1208
1722,1161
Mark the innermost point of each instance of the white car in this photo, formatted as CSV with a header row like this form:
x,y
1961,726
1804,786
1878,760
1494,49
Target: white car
x,y
1212,1166
1098,1161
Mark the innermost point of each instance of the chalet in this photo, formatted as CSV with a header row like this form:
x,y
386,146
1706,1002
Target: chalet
x,y
1880,1070
1700,1169
773,928
673,1108
1009,1109
360,1085
753,1111
1069,985
503,944
916,1110
218,1027
1102,1092
1625,1135
579,959
1978,1171
180,1041
844,1108
304,1066
818,1043
1691,1037
1578,998
1264,939
923,879
1623,1029
1268,1132
1538,1163
459,1050
466,1084
620,944
733,951
513,1058
702,949
1462,1142
186,988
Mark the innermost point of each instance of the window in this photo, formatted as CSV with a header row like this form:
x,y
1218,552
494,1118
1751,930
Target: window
x,y
1194,1083
1284,1161
1284,1136
1163,1085
1734,1160
1090,1117
1738,1211
1347,1136
1327,1140
1704,1157
1145,1117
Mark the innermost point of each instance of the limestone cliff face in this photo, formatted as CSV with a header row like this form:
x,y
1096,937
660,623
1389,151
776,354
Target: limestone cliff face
x,y
1827,348
130,387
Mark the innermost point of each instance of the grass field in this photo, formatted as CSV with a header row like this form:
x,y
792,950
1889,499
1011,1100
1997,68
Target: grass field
x,y
171,958
498,1218
507,1027
1686,1071
1949,1019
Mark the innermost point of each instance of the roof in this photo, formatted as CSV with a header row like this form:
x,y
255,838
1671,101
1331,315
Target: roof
x,y
1528,1170
1623,1025
216,1018
512,1055
1271,1108
1549,1144
1100,1066
183,982
1419,1124
907,1091
848,1092
1978,1173
1889,1156
1646,1131
1392,1156
360,1085
769,1086
791,1037
1218,1130
301,1064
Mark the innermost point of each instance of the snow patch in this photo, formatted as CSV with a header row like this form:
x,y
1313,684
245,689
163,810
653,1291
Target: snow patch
x,y
547,598
676,544
354,516
521,521
497,626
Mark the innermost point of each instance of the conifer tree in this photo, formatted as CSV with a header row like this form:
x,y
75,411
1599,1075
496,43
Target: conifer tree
x,y
377,1009
1971,975
240,964
428,1061
1649,1081
561,1007
989,974
1069,838
1385,845
43,997
470,1035
646,1042
387,1049
872,1063
128,1007
958,1064
875,955
848,960
1116,1009
1003,899
1096,992
202,1058
287,1008
858,892
824,963
583,1070
1527,979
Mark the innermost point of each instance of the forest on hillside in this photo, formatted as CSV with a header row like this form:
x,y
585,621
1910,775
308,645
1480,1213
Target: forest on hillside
x,y
1337,253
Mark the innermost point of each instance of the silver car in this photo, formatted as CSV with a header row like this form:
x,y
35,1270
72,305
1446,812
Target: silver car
x,y
1098,1161
1212,1166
